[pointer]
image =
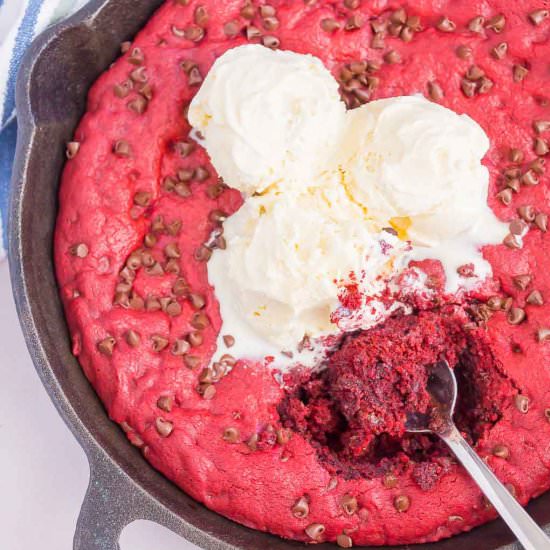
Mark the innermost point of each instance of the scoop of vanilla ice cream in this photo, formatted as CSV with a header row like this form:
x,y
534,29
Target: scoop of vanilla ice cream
x,y
268,116
285,254
417,164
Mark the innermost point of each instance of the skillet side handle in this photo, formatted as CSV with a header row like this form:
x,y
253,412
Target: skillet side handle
x,y
110,504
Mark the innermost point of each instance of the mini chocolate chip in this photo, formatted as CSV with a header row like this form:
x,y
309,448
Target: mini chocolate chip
x,y
138,105
201,174
139,75
136,57
248,11
202,254
72,149
538,16
543,334
468,87
106,346
518,227
182,190
485,84
496,23
329,24
446,25
270,41
215,190
159,343
200,320
132,338
505,196
267,11
172,266
344,541
522,281
253,33
500,50
193,33
464,52
527,213
514,185
187,65
173,309
208,391
402,503
194,77
169,184
231,435
229,340
501,451
191,361
300,509
152,304
395,29
494,303
522,403
530,178
172,250
474,73
270,23
165,403
146,91
174,227
399,16
231,29
184,148
195,338
378,42
315,531
354,22
217,216
519,72
143,198
407,34
198,301
349,504
228,359
541,221
535,298
79,250
284,436
180,347
164,427
180,287
541,126
155,270
435,91
122,148
507,303
200,16
476,24
352,4
516,315
122,89
392,57
541,147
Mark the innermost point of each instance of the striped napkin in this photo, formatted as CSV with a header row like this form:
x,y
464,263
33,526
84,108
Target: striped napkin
x,y
20,22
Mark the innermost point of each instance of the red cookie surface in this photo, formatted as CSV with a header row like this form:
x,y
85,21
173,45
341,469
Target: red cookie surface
x,y
138,201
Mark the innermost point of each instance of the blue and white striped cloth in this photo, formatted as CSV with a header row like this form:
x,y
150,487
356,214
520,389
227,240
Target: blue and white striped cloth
x,y
20,22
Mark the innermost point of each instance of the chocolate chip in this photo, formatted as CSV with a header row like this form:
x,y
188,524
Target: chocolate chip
x,y
146,91
180,347
253,33
344,541
182,190
315,531
180,287
195,338
541,126
202,254
516,315
300,509
174,227
172,250
402,503
468,87
501,451
496,23
231,29
378,42
329,24
270,41
284,436
522,281
72,149
165,403
215,190
164,427
435,91
463,52
529,178
198,301
349,504
505,196
541,221
106,346
132,338
122,148
172,266
139,75
155,270
173,309
541,147
535,298
476,24
354,22
208,391
159,343
195,77
543,335
152,304
514,185
200,320
248,11
184,148
187,65
474,73
136,57
485,84
231,435
518,227
407,34
229,340
200,16
527,213
519,72
201,174
507,303
122,89
446,25
494,303
191,361
392,57
79,250
522,403
537,165
217,216
228,359
270,23
143,198
138,105
378,26
193,33
538,16
500,50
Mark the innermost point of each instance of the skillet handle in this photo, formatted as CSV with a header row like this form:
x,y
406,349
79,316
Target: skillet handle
x,y
109,505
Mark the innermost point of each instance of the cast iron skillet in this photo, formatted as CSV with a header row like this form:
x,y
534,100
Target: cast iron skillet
x,y
51,93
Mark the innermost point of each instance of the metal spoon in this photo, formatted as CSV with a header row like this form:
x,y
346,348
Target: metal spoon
x,y
442,388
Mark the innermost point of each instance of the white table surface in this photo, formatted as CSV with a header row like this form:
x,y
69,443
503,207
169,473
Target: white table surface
x,y
43,471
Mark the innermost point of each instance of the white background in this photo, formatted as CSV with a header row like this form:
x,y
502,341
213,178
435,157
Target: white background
x,y
43,471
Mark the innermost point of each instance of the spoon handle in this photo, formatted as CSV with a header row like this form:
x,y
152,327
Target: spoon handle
x,y
530,535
